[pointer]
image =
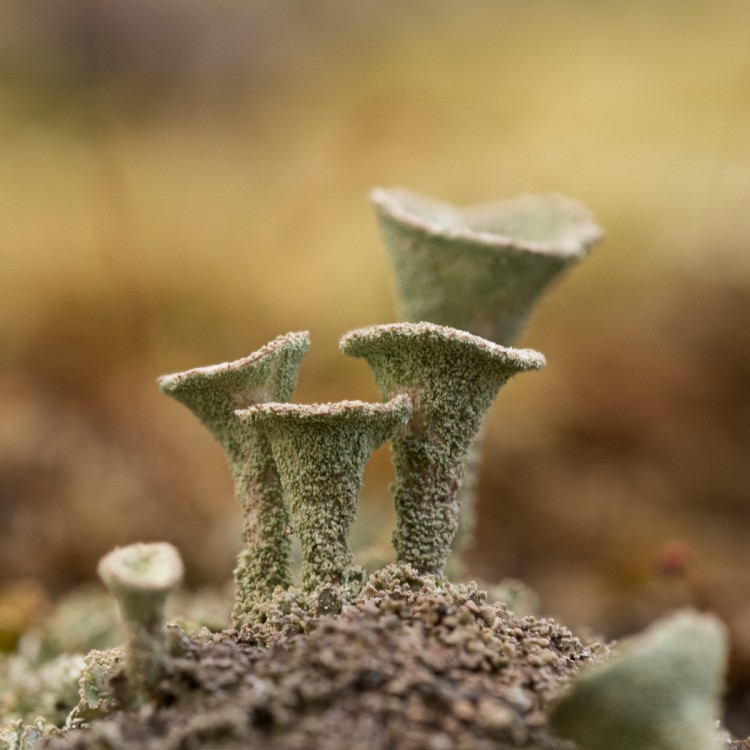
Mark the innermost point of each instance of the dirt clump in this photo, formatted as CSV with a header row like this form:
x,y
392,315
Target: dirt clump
x,y
413,663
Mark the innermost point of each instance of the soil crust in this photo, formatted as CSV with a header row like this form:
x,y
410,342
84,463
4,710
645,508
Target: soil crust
x,y
413,663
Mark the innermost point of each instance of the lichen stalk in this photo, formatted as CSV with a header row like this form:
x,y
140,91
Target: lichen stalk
x,y
467,494
213,394
452,378
320,451
140,577
481,269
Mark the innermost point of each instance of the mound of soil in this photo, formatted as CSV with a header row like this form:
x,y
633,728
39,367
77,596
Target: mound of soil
x,y
413,663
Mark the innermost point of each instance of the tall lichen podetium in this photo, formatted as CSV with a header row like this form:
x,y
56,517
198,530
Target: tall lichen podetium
x,y
452,378
213,394
140,577
661,692
481,269
320,451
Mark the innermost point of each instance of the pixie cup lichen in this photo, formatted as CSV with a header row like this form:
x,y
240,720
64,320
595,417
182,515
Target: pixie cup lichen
x,y
452,378
320,451
213,394
660,693
479,268
140,577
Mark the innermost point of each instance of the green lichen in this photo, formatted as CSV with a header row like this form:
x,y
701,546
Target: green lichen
x,y
213,394
28,690
660,693
140,577
20,736
481,269
452,378
409,659
95,694
320,451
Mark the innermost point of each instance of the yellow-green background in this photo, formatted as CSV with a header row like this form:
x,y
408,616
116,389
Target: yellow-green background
x,y
182,181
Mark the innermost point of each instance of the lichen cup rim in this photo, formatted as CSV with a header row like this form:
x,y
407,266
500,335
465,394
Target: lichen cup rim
x,y
528,359
397,203
153,566
174,379
308,412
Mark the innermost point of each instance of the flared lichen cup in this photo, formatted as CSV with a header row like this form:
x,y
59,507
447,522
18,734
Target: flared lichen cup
x,y
321,451
213,394
481,268
451,377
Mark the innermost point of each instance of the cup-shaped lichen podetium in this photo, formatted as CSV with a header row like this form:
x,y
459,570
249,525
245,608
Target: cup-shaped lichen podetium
x,y
213,394
140,577
320,451
452,378
480,268
661,692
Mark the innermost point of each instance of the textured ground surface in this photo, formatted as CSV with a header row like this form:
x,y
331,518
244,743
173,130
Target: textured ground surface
x,y
410,665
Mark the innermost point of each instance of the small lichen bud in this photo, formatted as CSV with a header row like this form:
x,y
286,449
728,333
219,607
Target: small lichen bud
x,y
140,577
452,378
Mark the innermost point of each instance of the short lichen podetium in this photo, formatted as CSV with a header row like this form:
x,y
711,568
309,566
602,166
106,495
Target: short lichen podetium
x,y
140,577
661,692
213,394
452,378
480,268
320,451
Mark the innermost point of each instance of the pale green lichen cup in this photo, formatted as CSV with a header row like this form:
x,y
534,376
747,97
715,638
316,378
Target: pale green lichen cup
x,y
321,451
140,577
481,269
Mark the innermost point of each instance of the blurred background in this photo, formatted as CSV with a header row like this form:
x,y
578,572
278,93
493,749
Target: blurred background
x,y
182,181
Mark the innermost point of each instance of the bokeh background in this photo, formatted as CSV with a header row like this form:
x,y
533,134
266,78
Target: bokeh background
x,y
182,181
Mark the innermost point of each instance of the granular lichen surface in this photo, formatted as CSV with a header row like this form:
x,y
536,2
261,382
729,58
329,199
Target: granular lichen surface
x,y
413,663
452,378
